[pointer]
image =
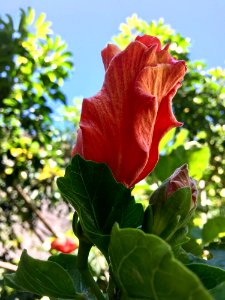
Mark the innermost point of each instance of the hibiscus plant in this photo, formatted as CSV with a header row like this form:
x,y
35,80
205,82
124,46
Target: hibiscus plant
x,y
117,146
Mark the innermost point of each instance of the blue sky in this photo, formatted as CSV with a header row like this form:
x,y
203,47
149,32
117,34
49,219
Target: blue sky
x,y
88,25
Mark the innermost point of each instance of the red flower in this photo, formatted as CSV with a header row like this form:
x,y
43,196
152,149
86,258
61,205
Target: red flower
x,y
123,124
64,245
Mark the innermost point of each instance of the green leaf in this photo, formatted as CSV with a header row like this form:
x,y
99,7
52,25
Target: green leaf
x,y
145,268
10,102
210,276
99,200
193,247
10,21
181,139
198,166
44,278
30,16
69,263
22,24
212,228
179,156
166,139
217,250
218,292
40,20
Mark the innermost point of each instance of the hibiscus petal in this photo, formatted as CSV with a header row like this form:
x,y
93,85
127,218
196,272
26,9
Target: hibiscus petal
x,y
149,40
107,119
108,53
160,55
157,81
79,144
123,124
164,122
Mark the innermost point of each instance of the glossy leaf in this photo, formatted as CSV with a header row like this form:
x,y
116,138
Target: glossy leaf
x,y
69,263
213,228
209,275
193,247
168,163
99,200
218,292
145,268
44,278
217,252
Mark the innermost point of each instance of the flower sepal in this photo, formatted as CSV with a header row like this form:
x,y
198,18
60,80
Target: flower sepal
x,y
171,208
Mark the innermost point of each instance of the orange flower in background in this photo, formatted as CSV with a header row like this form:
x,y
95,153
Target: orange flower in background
x,y
123,124
64,245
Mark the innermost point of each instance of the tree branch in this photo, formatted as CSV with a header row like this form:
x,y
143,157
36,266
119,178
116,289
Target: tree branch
x,y
8,266
31,206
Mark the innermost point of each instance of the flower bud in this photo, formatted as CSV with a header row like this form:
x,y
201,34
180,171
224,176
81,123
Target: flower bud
x,y
171,206
180,179
64,245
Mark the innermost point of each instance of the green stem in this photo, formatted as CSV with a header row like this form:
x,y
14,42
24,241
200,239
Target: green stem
x,y
82,264
112,290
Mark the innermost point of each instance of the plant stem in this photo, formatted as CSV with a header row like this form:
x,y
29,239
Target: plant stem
x,y
112,290
82,264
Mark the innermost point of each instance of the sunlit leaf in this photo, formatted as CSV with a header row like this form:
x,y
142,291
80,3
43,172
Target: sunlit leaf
x,y
40,20
213,228
30,16
144,268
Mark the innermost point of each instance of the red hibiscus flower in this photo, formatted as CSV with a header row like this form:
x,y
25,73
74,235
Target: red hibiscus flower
x,y
123,124
64,245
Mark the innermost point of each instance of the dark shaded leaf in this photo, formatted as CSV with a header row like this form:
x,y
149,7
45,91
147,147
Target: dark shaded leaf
x,y
44,278
218,292
69,263
99,200
209,275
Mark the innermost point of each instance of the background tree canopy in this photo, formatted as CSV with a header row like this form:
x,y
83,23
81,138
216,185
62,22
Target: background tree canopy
x,y
34,149
33,65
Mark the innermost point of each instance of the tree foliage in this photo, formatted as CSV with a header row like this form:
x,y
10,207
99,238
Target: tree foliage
x,y
33,66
